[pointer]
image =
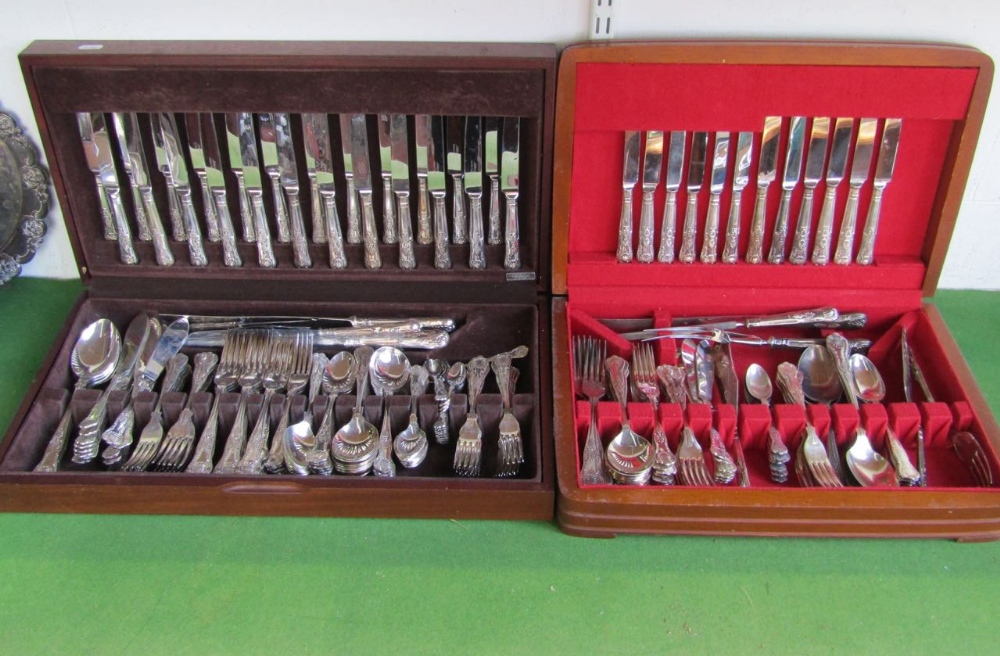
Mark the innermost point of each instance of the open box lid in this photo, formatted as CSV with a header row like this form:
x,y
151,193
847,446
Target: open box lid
x,y
940,92
65,77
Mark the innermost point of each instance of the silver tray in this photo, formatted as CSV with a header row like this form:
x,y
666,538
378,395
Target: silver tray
x,y
24,198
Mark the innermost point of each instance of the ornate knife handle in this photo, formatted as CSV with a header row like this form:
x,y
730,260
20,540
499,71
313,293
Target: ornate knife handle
x,y
800,242
424,230
442,257
353,213
300,244
201,463
668,230
866,253
265,251
388,212
211,218
624,254
174,208
196,249
373,260
512,233
227,233
841,350
494,236
803,318
459,233
141,220
690,231
126,250
407,259
164,256
780,236
730,250
334,238
477,251
316,198
235,442
755,249
900,459
710,249
824,228
280,209
644,253
107,222
845,242
246,214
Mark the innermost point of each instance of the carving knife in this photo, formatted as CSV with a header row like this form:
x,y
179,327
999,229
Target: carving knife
x,y
97,149
289,178
235,149
789,180
422,139
165,132
910,367
473,161
246,139
630,177
455,144
883,174
401,188
196,148
837,166
385,162
860,166
720,159
319,164
436,184
652,162
363,185
353,211
491,166
130,146
211,160
766,171
675,165
269,158
819,139
510,172
741,176
696,177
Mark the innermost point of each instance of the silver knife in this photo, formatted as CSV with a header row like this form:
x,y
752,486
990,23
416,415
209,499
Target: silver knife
x,y
789,180
837,166
510,172
437,185
168,346
385,162
319,163
166,131
652,162
766,170
217,189
363,185
97,149
247,157
353,210
473,179
455,144
720,160
235,149
196,149
909,367
491,166
675,165
883,174
864,145
819,139
696,177
422,139
130,145
741,176
401,188
289,178
269,158
630,177
163,163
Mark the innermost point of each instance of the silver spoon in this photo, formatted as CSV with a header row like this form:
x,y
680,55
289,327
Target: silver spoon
x,y
410,446
390,371
628,455
871,389
354,446
821,384
298,440
338,378
758,387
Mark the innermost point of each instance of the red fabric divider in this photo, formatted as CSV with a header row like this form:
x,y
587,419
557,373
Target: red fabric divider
x,y
755,421
846,420
904,418
937,421
790,420
875,420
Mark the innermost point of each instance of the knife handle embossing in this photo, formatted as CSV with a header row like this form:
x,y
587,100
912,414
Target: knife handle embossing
x,y
644,252
334,237
388,213
668,229
176,219
780,235
373,260
280,210
867,251
494,236
625,228
297,224
126,251
442,258
690,230
512,233
108,223
477,251
227,234
353,213
710,247
164,256
211,217
458,233
196,249
407,259
265,252
424,232
755,249
730,252
824,228
800,242
318,229
845,242
246,214
141,220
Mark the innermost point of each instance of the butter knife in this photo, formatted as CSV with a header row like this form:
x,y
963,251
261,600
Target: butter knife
x,y
437,185
652,162
766,172
353,211
166,131
696,177
401,188
835,170
319,163
196,149
247,156
864,146
675,165
819,139
454,142
363,186
883,174
510,171
789,180
130,146
289,178
269,158
630,177
473,179
97,149
741,176
235,149
385,160
491,166
422,139
213,168
720,160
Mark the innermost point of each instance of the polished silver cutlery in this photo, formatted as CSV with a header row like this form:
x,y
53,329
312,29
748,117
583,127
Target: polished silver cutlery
x,y
383,122
246,141
741,176
234,147
630,177
196,149
510,172
836,169
883,174
675,167
353,208
363,187
134,158
288,177
473,164
789,180
207,162
695,180
422,145
491,167
166,135
97,149
272,167
454,135
819,139
319,168
860,166
766,172
401,188
651,163
717,182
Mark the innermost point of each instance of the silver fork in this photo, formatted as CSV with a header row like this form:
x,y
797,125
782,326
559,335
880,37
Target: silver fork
x,y
589,354
256,348
811,448
276,374
510,450
176,446
468,450
146,448
691,465
644,375
225,380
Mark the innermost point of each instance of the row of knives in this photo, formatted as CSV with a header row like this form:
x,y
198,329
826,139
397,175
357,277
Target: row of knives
x,y
826,150
472,151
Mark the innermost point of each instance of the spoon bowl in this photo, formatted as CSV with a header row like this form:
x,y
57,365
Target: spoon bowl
x,y
868,381
758,384
354,445
389,370
410,446
299,441
866,464
820,380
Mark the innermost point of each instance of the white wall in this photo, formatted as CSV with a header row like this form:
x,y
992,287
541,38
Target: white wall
x,y
971,260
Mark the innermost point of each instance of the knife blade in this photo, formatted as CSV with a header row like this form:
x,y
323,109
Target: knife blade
x,y
97,150
860,166
695,179
720,161
246,155
789,180
675,165
630,177
401,188
165,129
819,139
235,152
134,157
167,346
437,185
363,186
353,209
491,166
741,176
196,149
836,167
269,158
216,184
385,160
455,143
652,162
766,170
422,139
883,175
177,229
909,367
319,164
473,162
288,175
510,180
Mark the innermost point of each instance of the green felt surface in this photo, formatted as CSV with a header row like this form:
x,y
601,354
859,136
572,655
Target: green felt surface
x,y
203,585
